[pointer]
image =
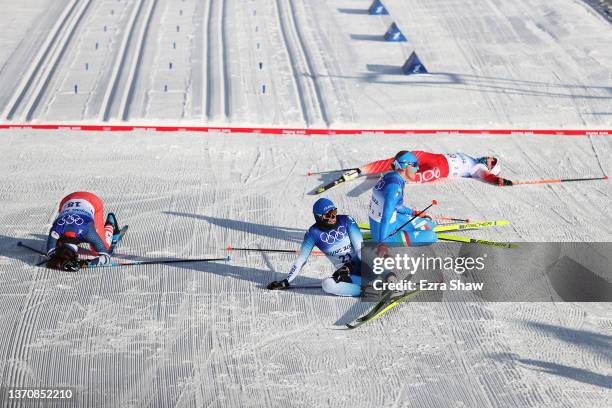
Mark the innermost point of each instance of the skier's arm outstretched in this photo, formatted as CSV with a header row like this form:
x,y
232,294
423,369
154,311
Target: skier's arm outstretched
x,y
480,172
307,246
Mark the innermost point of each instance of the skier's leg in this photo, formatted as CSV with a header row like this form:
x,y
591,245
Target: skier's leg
x,y
417,237
343,282
341,288
417,232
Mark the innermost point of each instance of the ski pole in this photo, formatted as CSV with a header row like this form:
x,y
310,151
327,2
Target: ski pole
x,y
455,238
21,244
558,180
165,261
314,173
433,202
284,251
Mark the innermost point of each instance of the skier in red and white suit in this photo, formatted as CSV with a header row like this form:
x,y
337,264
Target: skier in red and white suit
x,y
434,166
80,219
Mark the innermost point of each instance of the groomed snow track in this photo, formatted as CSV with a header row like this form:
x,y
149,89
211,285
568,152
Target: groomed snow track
x,y
197,335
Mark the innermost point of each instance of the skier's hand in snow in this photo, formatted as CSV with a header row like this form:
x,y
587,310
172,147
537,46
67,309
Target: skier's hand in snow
x,y
505,182
279,285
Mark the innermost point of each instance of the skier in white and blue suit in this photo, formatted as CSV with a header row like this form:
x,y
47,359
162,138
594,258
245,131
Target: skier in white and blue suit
x,y
339,238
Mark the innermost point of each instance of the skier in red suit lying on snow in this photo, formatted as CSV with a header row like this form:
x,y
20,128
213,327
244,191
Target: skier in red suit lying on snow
x,y
434,166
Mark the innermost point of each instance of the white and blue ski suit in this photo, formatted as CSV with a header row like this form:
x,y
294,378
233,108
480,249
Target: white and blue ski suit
x,y
342,246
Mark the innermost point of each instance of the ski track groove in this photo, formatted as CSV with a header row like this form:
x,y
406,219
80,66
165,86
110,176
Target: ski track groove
x,y
311,74
303,76
126,98
34,70
51,66
217,100
111,89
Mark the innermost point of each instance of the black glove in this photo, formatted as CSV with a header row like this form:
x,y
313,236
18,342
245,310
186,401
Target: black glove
x,y
343,274
505,182
70,266
74,265
279,285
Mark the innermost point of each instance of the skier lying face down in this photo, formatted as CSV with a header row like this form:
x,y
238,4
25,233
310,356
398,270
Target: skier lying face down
x,y
433,166
387,212
80,220
339,238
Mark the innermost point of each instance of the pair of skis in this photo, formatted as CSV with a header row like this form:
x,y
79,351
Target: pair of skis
x,y
441,229
387,303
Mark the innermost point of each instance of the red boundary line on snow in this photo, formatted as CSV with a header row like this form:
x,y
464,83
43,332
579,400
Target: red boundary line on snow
x,y
307,131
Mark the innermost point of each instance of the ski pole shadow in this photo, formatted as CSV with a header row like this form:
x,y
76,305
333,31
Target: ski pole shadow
x,y
368,37
365,186
583,339
261,277
269,231
573,373
10,249
345,10
359,308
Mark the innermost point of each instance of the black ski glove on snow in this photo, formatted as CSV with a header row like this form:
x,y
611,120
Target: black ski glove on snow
x,y
278,285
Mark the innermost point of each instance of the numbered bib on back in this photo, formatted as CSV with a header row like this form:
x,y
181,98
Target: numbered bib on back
x,y
78,205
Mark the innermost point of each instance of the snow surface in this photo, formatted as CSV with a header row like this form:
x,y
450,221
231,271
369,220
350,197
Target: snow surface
x,y
492,64
210,334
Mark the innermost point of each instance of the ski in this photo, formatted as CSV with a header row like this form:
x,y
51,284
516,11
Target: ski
x,y
379,305
382,308
457,227
470,225
116,241
314,173
349,175
456,238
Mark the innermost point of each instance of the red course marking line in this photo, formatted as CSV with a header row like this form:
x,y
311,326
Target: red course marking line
x,y
310,132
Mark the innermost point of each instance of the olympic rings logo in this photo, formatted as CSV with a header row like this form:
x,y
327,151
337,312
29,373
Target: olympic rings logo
x,y
70,219
333,236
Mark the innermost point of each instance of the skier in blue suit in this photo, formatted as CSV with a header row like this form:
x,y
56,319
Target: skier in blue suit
x,y
339,238
387,212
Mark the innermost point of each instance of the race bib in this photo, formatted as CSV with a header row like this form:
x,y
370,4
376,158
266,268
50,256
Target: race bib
x,y
78,205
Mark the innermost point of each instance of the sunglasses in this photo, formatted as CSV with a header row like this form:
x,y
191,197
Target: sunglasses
x,y
330,215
